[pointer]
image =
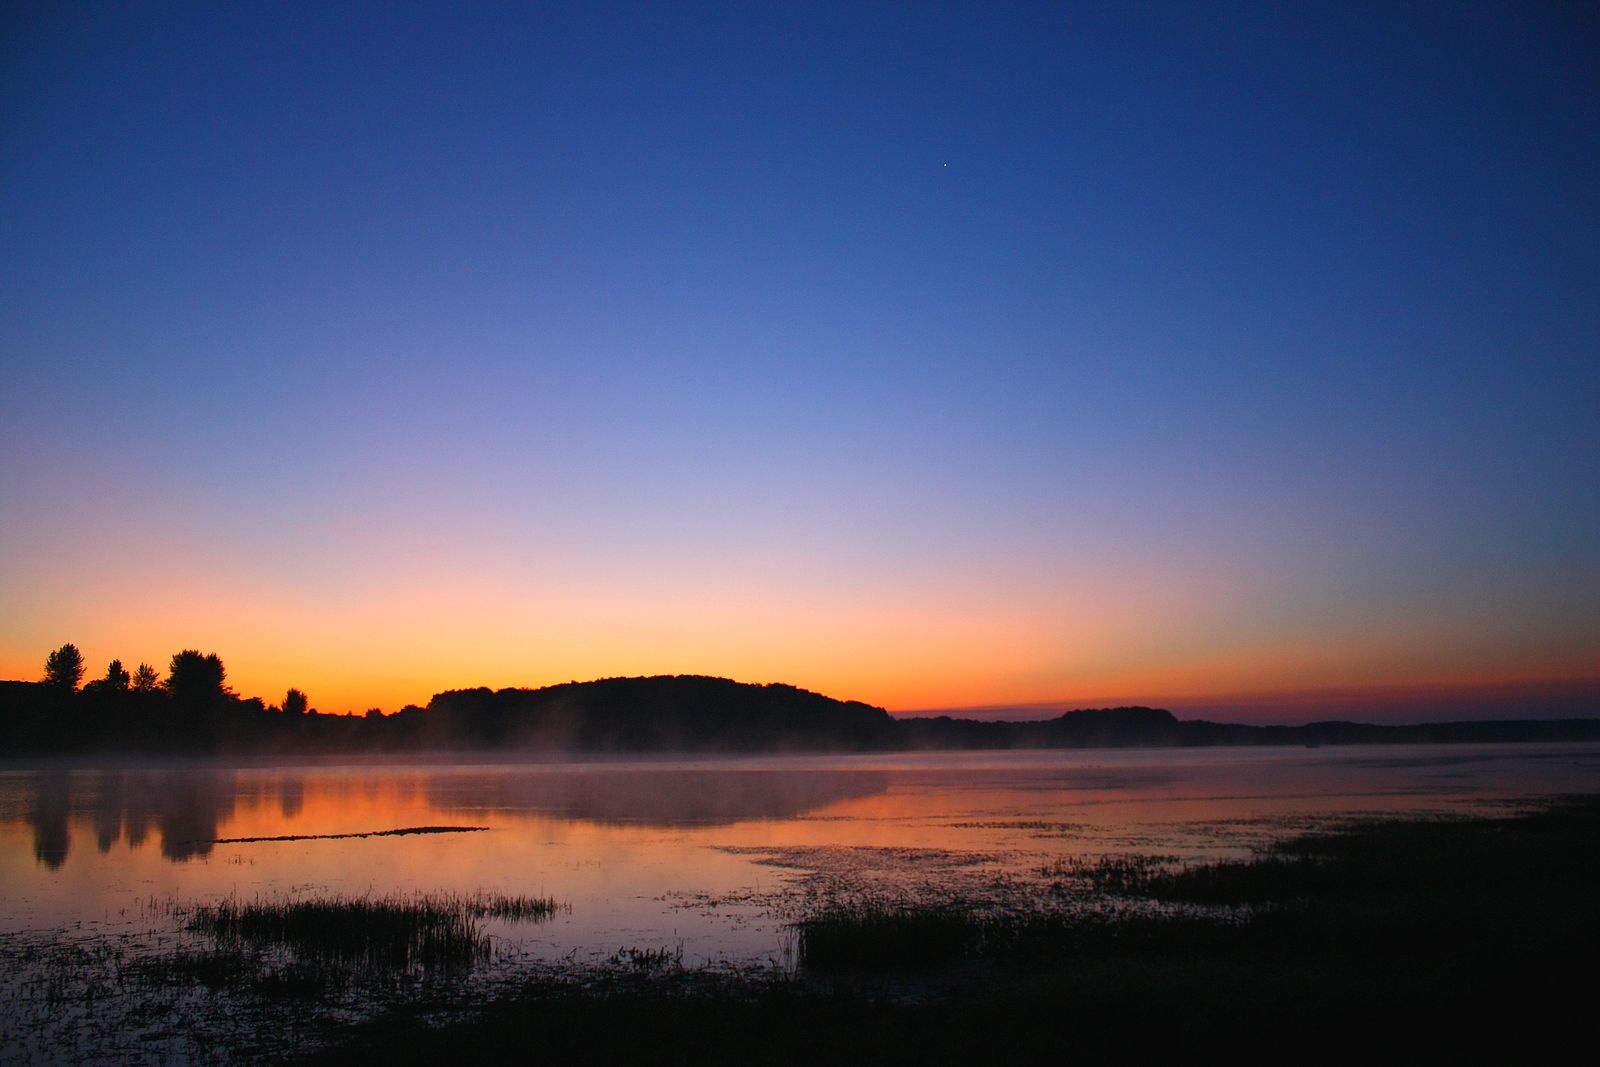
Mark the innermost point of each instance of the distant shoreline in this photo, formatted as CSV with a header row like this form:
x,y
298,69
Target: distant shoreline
x,y
665,715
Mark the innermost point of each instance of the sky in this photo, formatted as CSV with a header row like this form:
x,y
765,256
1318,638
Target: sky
x,y
1238,357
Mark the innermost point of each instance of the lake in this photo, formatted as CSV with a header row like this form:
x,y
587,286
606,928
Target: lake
x,y
705,860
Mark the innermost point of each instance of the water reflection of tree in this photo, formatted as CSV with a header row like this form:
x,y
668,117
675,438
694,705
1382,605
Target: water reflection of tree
x,y
655,797
186,806
109,809
49,814
291,795
191,804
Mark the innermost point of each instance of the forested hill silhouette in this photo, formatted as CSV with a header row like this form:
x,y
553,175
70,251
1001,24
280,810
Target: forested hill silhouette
x,y
192,711
666,713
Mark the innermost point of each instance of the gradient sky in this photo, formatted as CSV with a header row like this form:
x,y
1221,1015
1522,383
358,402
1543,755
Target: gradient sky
x,y
929,355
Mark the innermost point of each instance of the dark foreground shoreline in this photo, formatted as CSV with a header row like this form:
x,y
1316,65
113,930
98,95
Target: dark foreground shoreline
x,y
1458,941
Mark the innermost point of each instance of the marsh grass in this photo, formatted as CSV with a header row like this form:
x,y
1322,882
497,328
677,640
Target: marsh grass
x,y
1120,874
374,934
370,934
1263,879
916,939
1417,890
515,908
143,998
871,935
649,960
1271,875
258,979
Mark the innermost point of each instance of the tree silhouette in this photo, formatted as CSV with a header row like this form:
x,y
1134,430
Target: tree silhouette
x,y
145,678
117,676
195,678
295,702
63,668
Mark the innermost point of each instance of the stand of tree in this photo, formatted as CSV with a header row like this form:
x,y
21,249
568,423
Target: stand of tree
x,y
192,711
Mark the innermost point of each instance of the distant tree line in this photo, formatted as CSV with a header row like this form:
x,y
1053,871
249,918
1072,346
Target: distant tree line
x,y
193,711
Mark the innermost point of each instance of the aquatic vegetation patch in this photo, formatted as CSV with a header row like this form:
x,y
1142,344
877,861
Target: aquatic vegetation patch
x,y
875,935
648,960
260,980
876,938
143,998
1267,878
515,908
393,933
1417,890
384,933
835,874
1120,873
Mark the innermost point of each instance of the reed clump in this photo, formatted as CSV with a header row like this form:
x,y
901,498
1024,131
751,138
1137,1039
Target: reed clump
x,y
649,960
1122,874
876,934
391,933
385,933
515,908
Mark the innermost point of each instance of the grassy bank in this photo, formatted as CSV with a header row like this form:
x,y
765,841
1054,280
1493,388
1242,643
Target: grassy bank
x,y
1461,941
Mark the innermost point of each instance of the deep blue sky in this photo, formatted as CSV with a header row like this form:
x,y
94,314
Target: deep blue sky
x,y
926,354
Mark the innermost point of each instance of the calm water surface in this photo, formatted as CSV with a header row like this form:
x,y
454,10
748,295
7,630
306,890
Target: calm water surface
x,y
707,857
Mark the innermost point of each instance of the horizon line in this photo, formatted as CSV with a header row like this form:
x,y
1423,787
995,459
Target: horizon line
x,y
1542,698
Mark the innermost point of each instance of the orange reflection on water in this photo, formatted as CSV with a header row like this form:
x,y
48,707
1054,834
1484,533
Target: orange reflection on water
x,y
327,803
692,853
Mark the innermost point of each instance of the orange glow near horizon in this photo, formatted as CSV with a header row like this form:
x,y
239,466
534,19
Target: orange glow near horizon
x,y
937,675
388,625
